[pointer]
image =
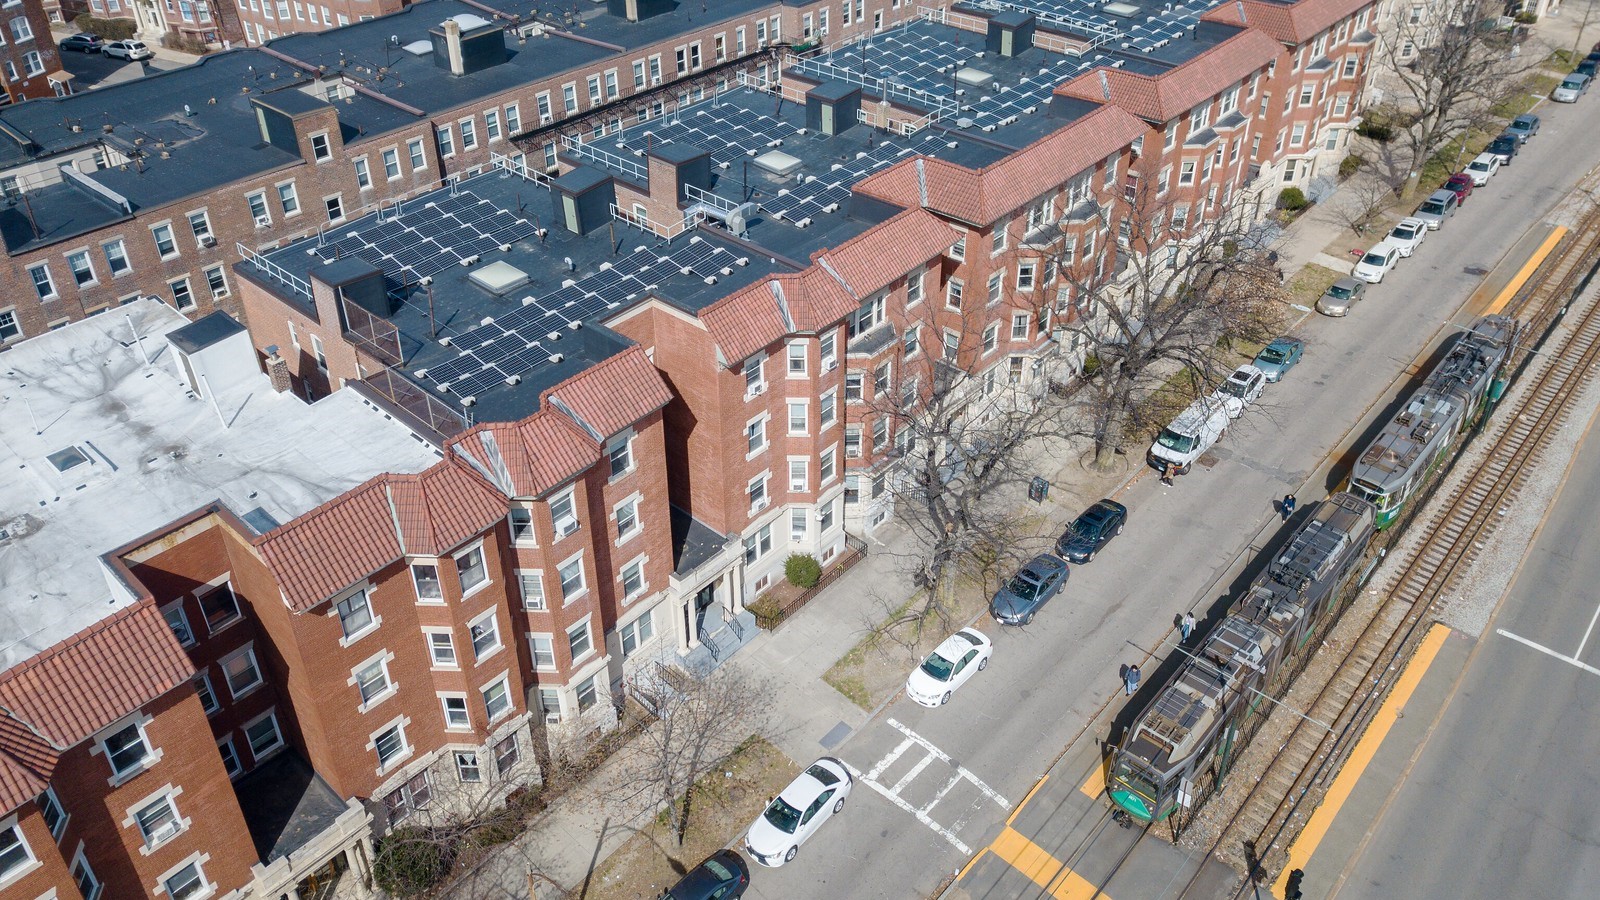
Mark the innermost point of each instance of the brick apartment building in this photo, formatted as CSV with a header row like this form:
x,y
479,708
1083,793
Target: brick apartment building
x,y
30,64
575,406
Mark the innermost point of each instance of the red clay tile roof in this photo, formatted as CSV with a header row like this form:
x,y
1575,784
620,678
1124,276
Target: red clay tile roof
x,y
531,457
97,676
744,322
333,546
872,260
1291,24
26,763
442,507
614,394
984,196
1174,92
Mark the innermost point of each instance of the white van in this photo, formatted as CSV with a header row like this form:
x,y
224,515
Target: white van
x,y
1190,434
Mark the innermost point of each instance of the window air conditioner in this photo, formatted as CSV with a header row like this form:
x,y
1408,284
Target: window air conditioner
x,y
263,221
208,241
828,365
552,718
565,527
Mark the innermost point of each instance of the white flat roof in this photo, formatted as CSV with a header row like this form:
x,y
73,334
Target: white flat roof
x,y
139,450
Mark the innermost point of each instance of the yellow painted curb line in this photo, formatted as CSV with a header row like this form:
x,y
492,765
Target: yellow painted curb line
x,y
1306,844
1031,791
1526,272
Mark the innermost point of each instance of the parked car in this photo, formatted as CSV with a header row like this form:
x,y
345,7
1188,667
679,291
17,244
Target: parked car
x,y
1505,146
1524,126
1483,167
1377,262
1461,184
1407,235
1587,67
1440,205
949,666
1278,357
129,50
83,42
815,796
1340,296
721,876
1570,89
1188,437
1091,530
1242,388
1019,600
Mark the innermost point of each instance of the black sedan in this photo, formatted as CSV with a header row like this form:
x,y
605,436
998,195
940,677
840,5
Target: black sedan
x,y
723,876
1091,531
1019,600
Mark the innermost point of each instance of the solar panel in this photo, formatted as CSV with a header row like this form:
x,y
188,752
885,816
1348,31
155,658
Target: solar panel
x,y
476,383
450,370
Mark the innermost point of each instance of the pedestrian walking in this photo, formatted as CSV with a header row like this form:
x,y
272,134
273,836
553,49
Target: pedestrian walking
x,y
1186,627
1288,506
1130,680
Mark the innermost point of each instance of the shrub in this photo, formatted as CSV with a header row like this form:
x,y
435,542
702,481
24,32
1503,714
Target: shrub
x,y
1350,165
410,861
767,612
110,29
1527,17
802,570
1292,199
1376,129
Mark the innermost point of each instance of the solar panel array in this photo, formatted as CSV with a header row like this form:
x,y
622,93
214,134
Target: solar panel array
x,y
507,347
427,239
1008,102
1157,31
918,56
825,193
729,132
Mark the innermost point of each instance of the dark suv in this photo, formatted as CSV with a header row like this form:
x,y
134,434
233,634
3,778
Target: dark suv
x,y
1505,146
83,42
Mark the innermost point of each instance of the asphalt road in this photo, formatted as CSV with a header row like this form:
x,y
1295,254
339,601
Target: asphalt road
x,y
1500,802
943,781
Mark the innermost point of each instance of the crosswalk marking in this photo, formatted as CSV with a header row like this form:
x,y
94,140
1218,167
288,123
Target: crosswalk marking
x,y
930,755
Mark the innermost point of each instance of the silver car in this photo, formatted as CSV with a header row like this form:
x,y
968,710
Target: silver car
x,y
1020,599
1571,88
1340,297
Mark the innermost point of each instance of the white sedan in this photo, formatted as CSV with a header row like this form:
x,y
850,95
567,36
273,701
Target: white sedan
x,y
1377,262
814,797
949,666
1408,235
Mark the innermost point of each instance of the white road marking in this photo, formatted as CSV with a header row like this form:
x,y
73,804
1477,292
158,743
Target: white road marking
x,y
930,754
1590,631
1546,650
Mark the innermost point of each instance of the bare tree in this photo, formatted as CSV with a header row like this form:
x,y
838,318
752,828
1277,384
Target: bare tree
x,y
1182,283
1364,199
699,720
1450,67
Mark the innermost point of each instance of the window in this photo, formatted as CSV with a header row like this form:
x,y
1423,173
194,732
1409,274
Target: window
x,y
126,749
390,745
579,643
471,569
757,491
797,358
50,810
881,380
1019,326
230,758
355,614
485,635
467,766
563,513
82,268
447,141
1350,63
758,545
179,623
825,466
442,648
569,98
202,689
216,282
415,794
200,225
469,134
830,351
544,651
798,476
799,522
1186,172
852,442
571,579
637,633
798,416
952,345
363,175
853,387
1307,94
455,711
241,670
372,680
319,147
42,284
288,199
755,435
497,699
335,207
997,286
157,821
621,456
419,159
9,329
866,318
426,578
880,434
263,735
910,343
997,241
491,124
627,514
182,295
165,243
953,291
14,853
219,607
1298,135
755,380
532,585
188,882
588,693
506,754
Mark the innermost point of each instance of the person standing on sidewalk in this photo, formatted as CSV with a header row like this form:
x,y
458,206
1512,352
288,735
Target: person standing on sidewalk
x,y
1288,506
1186,626
1130,680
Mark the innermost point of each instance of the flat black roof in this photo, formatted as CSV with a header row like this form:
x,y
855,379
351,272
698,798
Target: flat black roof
x,y
204,332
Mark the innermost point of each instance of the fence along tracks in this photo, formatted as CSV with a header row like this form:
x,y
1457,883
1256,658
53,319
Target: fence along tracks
x,y
1256,837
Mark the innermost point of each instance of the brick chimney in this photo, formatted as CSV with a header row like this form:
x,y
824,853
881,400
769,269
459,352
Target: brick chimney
x,y
278,371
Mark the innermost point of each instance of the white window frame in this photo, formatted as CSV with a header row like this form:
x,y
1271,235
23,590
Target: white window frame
x,y
588,631
488,652
247,651
277,730
398,726
561,580
483,566
430,635
380,661
504,684
465,709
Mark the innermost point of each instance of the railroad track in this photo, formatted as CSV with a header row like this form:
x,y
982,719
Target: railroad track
x,y
1256,837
